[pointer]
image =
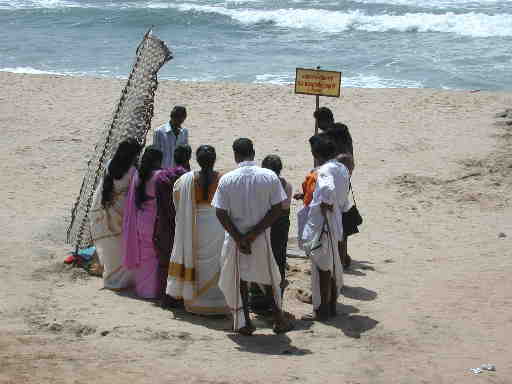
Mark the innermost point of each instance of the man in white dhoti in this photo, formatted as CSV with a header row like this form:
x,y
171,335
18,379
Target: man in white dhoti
x,y
323,228
248,201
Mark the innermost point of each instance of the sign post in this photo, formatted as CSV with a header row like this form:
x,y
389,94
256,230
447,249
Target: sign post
x,y
317,82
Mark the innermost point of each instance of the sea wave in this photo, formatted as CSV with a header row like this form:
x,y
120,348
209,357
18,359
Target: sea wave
x,y
33,71
465,4
357,81
474,24
27,4
332,22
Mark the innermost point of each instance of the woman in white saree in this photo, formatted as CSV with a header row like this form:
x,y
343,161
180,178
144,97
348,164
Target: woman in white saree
x,y
194,267
106,216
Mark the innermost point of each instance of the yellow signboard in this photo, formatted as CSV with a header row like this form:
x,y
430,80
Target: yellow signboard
x,y
317,82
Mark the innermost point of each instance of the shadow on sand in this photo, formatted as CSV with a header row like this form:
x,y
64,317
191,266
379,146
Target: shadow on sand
x,y
268,345
352,325
358,266
359,293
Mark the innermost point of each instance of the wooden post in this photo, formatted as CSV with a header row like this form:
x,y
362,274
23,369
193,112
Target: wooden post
x,y
317,108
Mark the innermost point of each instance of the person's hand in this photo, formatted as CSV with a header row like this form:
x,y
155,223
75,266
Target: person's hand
x,y
244,246
298,196
250,236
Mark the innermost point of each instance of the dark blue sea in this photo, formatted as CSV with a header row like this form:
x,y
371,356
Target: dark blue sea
x,y
451,44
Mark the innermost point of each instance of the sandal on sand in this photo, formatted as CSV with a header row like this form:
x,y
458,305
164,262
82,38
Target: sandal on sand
x,y
303,296
248,330
283,328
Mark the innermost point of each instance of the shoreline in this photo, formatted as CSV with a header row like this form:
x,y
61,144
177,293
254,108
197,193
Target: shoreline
x,y
254,83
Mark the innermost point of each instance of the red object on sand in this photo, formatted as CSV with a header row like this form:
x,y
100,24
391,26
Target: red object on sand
x,y
69,259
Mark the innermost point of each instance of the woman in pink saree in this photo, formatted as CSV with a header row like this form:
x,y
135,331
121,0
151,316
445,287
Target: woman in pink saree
x,y
139,224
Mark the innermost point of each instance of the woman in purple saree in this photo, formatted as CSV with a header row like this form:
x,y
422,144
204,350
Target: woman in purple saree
x,y
139,224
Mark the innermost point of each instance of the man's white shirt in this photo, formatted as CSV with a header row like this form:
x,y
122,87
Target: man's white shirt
x,y
247,194
166,141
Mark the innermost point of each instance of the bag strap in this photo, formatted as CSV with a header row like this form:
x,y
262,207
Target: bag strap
x,y
352,191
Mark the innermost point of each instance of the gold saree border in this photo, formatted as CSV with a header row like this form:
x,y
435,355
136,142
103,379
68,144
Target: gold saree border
x,y
180,273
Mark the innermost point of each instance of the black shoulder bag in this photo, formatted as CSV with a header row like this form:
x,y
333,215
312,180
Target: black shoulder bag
x,y
352,218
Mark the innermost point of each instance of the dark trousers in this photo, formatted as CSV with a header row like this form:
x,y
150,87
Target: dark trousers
x,y
261,301
279,241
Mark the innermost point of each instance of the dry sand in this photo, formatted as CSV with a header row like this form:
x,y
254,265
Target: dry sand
x,y
429,295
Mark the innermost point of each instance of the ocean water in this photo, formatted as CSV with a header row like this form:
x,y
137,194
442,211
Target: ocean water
x,y
451,44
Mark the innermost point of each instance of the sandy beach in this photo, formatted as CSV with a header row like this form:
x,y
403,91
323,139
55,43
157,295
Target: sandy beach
x,y
429,295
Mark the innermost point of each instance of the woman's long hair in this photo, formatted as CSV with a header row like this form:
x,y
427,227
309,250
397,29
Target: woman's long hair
x,y
123,159
151,161
206,156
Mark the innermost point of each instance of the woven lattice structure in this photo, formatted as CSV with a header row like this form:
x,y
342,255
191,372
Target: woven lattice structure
x,y
132,118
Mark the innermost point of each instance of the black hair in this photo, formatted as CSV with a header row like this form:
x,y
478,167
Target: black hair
x,y
123,159
322,146
243,147
340,134
206,156
274,163
151,161
324,116
179,110
182,154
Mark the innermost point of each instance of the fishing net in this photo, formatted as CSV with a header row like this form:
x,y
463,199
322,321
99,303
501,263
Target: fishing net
x,y
132,118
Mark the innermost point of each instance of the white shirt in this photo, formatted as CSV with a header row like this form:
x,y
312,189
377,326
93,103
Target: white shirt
x,y
166,141
331,188
248,193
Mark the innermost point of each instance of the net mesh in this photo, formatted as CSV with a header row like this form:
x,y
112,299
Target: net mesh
x,y
132,118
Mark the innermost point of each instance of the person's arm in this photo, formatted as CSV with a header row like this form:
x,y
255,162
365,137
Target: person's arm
x,y
227,224
326,191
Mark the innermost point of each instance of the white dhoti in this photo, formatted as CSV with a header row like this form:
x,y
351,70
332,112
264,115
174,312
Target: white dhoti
x,y
257,267
325,258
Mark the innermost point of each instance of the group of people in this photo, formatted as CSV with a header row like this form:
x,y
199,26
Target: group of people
x,y
216,244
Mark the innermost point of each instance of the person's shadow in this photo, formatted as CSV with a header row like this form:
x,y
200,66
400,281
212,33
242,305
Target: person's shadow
x,y
359,293
358,268
350,324
216,322
268,344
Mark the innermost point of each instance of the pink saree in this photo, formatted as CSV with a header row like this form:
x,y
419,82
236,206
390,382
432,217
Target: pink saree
x,y
139,253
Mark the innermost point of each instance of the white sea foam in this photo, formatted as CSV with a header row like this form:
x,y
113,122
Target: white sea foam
x,y
475,24
439,3
358,81
325,21
35,71
31,71
372,81
24,4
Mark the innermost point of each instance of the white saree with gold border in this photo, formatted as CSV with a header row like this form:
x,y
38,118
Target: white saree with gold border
x,y
194,267
106,227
